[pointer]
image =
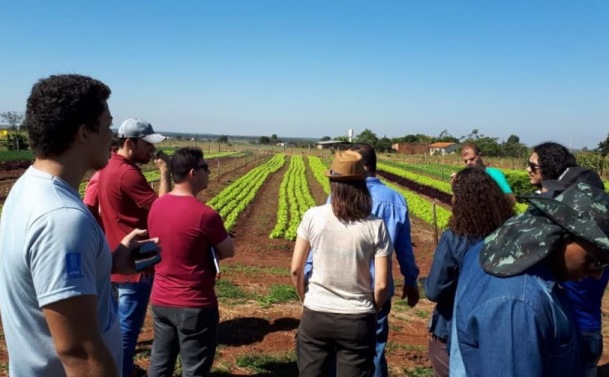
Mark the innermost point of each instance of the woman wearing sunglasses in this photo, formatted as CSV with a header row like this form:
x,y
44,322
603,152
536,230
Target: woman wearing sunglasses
x,y
552,169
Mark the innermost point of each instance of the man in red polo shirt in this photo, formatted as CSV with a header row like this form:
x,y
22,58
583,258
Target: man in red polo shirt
x,y
125,199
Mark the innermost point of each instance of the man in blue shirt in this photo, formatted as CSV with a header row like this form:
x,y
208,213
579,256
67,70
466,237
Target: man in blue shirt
x,y
511,315
390,206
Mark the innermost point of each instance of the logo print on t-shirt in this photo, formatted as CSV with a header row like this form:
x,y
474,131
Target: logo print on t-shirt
x,y
73,265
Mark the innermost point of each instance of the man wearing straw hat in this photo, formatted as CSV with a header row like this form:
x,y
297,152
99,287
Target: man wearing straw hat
x,y
511,313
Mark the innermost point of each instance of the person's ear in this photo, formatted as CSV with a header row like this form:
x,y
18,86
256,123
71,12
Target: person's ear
x,y
82,134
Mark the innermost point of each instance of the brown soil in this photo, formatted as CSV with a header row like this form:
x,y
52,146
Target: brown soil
x,y
249,328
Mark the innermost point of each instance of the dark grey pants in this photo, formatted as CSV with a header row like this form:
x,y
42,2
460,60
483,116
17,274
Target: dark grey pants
x,y
190,332
347,339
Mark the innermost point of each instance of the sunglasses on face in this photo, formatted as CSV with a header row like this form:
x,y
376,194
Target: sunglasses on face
x,y
595,263
533,166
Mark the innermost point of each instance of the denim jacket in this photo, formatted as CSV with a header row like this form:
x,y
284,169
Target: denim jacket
x,y
514,326
441,283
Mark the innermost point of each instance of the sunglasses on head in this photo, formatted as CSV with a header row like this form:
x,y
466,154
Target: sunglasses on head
x,y
533,166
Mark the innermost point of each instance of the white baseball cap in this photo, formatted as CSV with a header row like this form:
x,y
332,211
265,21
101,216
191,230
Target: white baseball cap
x,y
139,129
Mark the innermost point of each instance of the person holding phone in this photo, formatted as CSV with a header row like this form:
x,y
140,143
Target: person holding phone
x,y
184,303
58,313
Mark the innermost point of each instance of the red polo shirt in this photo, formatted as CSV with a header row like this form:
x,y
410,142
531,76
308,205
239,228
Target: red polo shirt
x,y
187,230
124,195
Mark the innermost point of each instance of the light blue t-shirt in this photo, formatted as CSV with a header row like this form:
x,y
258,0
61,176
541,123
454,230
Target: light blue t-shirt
x,y
499,177
51,249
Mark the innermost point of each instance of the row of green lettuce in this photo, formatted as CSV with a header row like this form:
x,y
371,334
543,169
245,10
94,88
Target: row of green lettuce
x,y
294,200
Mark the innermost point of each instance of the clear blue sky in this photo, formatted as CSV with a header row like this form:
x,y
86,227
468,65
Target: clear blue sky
x,y
537,69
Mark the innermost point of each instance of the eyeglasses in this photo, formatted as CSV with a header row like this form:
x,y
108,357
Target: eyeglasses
x,y
595,264
533,166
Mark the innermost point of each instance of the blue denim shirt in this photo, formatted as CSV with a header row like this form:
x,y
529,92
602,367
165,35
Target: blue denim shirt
x,y
390,206
441,283
515,326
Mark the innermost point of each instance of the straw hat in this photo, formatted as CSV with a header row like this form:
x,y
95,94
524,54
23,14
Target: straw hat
x,y
347,166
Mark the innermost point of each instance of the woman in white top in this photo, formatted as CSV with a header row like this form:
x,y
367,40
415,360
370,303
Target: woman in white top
x,y
341,299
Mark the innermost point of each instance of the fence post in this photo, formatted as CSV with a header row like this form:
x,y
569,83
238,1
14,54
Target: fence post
x,y
218,170
435,222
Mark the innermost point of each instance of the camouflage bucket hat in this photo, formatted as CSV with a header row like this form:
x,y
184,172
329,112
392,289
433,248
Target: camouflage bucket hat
x,y
524,240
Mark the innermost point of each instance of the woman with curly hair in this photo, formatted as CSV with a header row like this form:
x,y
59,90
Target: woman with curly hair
x,y
548,161
479,207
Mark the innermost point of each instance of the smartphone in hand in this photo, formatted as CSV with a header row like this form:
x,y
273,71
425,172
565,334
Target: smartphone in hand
x,y
146,255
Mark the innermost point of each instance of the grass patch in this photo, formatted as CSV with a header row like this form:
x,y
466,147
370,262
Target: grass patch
x,y
405,347
419,372
227,291
254,270
280,365
279,293
421,313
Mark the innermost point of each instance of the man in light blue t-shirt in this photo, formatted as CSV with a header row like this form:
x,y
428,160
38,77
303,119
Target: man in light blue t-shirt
x,y
472,157
58,313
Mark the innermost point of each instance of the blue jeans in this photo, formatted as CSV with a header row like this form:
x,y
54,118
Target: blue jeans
x,y
591,349
190,332
382,332
132,304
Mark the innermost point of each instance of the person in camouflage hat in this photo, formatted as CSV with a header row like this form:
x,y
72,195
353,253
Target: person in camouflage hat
x,y
511,314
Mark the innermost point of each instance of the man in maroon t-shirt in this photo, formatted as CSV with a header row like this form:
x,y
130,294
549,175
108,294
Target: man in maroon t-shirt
x,y
184,304
124,200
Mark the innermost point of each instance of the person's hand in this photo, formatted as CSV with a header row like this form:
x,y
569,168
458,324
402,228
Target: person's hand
x,y
453,175
122,260
412,293
161,160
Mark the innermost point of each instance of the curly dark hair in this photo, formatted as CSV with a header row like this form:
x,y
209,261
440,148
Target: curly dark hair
x,y
479,205
58,106
553,159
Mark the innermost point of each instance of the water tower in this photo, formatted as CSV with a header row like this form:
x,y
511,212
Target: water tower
x,y
350,134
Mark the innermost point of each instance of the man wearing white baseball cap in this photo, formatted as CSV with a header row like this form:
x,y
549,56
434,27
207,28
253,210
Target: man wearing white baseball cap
x,y
137,128
125,197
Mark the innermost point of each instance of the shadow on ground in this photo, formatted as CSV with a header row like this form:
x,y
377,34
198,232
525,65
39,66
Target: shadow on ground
x,y
248,330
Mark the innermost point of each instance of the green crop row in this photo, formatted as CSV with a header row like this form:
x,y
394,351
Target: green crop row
x,y
318,168
233,200
420,179
294,199
423,208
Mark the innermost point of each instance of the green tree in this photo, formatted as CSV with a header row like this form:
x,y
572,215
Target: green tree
x,y
265,140
222,139
383,145
13,119
367,137
512,147
603,147
325,138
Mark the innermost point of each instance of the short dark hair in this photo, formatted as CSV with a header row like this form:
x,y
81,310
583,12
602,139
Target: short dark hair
x,y
58,106
183,160
471,146
368,155
351,200
553,159
479,205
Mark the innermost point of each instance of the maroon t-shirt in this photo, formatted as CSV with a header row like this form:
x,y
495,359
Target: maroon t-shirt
x,y
187,229
124,196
